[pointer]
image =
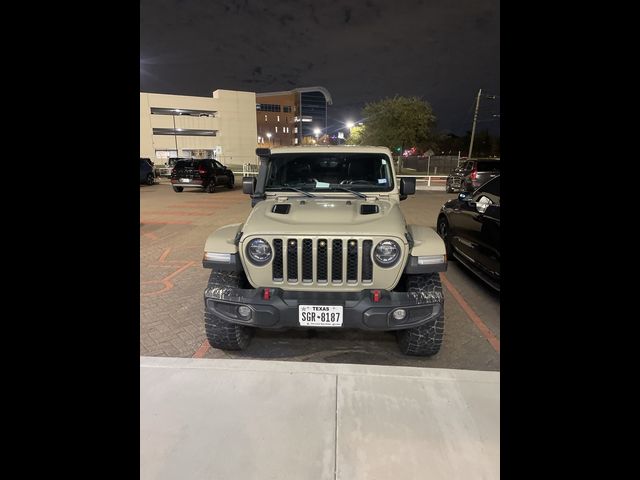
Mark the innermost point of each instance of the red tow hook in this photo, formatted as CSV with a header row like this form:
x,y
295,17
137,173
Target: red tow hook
x,y
376,296
266,294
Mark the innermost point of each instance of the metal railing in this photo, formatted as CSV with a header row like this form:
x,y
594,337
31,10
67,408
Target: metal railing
x,y
430,180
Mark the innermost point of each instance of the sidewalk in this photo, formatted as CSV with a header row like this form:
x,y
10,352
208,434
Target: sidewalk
x,y
253,419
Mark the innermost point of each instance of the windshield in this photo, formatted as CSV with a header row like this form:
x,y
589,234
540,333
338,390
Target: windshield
x,y
330,172
185,164
489,166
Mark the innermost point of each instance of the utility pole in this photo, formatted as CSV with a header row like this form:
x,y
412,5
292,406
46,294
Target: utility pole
x,y
475,119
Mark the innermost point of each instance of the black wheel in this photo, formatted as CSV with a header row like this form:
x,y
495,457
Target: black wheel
x,y
150,179
211,187
449,189
231,183
178,189
426,339
220,333
443,231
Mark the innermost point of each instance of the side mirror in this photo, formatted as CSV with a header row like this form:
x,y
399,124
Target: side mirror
x,y
407,186
249,185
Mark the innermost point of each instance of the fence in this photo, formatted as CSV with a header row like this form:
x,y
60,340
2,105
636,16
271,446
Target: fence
x,y
434,165
428,182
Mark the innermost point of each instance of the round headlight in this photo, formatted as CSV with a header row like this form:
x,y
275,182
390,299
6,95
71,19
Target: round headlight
x,y
386,253
259,251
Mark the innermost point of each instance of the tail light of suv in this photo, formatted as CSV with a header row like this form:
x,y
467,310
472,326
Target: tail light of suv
x,y
202,170
474,174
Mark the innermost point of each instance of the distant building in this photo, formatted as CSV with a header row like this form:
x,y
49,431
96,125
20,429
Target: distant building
x,y
291,117
222,126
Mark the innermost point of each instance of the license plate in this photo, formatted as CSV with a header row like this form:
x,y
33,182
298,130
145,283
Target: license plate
x,y
320,316
185,180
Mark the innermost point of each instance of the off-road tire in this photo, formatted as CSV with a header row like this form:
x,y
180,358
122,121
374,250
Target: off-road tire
x,y
449,189
150,179
231,183
220,333
211,187
426,339
178,189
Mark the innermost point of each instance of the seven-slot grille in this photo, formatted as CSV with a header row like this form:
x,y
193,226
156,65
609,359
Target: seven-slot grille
x,y
337,260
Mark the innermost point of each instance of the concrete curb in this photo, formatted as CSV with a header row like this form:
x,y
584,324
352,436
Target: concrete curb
x,y
255,419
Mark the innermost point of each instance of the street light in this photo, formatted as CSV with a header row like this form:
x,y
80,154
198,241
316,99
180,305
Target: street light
x,y
316,132
269,137
349,124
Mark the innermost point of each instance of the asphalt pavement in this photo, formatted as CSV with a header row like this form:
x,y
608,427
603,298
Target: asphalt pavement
x,y
173,229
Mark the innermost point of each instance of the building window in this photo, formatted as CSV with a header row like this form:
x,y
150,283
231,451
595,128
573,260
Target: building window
x,y
268,107
295,130
278,118
286,109
265,118
185,131
295,141
276,129
182,111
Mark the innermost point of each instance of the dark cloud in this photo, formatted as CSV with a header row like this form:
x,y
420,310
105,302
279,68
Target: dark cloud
x,y
439,50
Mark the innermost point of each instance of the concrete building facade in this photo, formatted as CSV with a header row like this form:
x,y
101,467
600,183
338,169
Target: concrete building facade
x,y
222,126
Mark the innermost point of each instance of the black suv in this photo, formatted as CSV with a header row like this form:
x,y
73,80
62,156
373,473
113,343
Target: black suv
x,y
472,173
203,174
470,228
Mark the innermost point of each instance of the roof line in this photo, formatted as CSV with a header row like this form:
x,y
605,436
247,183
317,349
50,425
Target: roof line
x,y
324,91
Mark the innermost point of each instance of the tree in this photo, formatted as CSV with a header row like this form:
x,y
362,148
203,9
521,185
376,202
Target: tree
x,y
399,122
356,135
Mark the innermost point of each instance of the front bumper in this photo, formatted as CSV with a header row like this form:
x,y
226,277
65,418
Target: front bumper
x,y
359,309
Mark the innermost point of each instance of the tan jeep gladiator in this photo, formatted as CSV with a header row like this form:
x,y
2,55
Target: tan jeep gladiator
x,y
326,246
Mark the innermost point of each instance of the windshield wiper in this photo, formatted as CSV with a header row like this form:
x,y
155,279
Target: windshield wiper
x,y
290,188
361,195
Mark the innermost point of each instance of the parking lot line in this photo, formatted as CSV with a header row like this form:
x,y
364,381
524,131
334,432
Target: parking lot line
x,y
473,316
166,282
164,255
202,350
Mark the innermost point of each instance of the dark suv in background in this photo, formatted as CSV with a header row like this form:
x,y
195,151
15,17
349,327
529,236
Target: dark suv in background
x,y
203,174
471,174
146,171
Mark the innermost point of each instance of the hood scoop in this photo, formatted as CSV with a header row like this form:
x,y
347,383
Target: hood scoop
x,y
369,209
281,208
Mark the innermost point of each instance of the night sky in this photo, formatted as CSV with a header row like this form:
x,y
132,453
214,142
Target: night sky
x,y
360,50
